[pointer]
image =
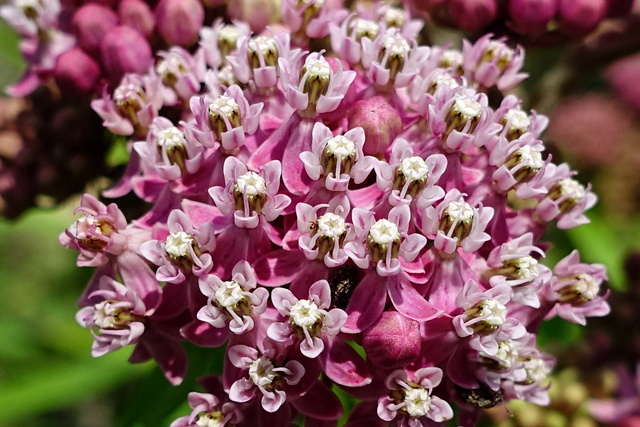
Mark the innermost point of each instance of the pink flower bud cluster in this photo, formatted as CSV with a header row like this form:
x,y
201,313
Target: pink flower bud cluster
x,y
549,19
307,204
81,46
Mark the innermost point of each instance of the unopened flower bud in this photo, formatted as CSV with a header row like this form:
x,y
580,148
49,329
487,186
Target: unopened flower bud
x,y
579,17
76,73
179,21
90,25
531,16
380,121
473,15
138,15
124,50
392,342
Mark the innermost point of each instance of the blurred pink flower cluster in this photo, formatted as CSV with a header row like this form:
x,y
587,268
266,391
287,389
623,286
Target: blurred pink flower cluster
x,y
306,204
558,20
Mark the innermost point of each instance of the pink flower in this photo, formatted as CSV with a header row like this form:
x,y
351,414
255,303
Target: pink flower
x,y
455,223
181,72
323,236
313,85
170,151
310,17
411,401
384,242
236,302
485,317
337,158
309,319
28,18
256,59
97,235
117,315
248,195
492,63
392,59
566,199
225,119
264,376
185,251
133,105
407,178
576,288
512,263
208,410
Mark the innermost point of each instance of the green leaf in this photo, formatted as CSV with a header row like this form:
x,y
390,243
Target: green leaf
x,y
63,384
155,401
605,242
10,56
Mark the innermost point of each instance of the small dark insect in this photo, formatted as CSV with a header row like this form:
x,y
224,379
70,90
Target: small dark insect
x,y
481,397
343,281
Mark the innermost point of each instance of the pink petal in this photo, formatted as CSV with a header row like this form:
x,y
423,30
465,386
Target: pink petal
x,y
366,305
408,301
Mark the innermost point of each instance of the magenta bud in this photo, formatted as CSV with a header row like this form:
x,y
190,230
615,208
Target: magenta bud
x,y
179,21
392,342
124,50
380,121
76,73
578,17
473,15
91,23
531,16
138,15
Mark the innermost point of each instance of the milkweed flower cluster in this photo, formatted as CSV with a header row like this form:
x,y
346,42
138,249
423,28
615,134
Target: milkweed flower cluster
x,y
306,204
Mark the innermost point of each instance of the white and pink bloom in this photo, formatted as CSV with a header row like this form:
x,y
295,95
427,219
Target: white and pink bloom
x,y
309,320
577,289
207,410
490,63
225,119
132,106
338,159
186,249
235,302
171,151
265,377
98,234
411,401
455,223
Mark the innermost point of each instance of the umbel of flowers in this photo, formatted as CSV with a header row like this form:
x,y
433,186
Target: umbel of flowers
x,y
307,204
